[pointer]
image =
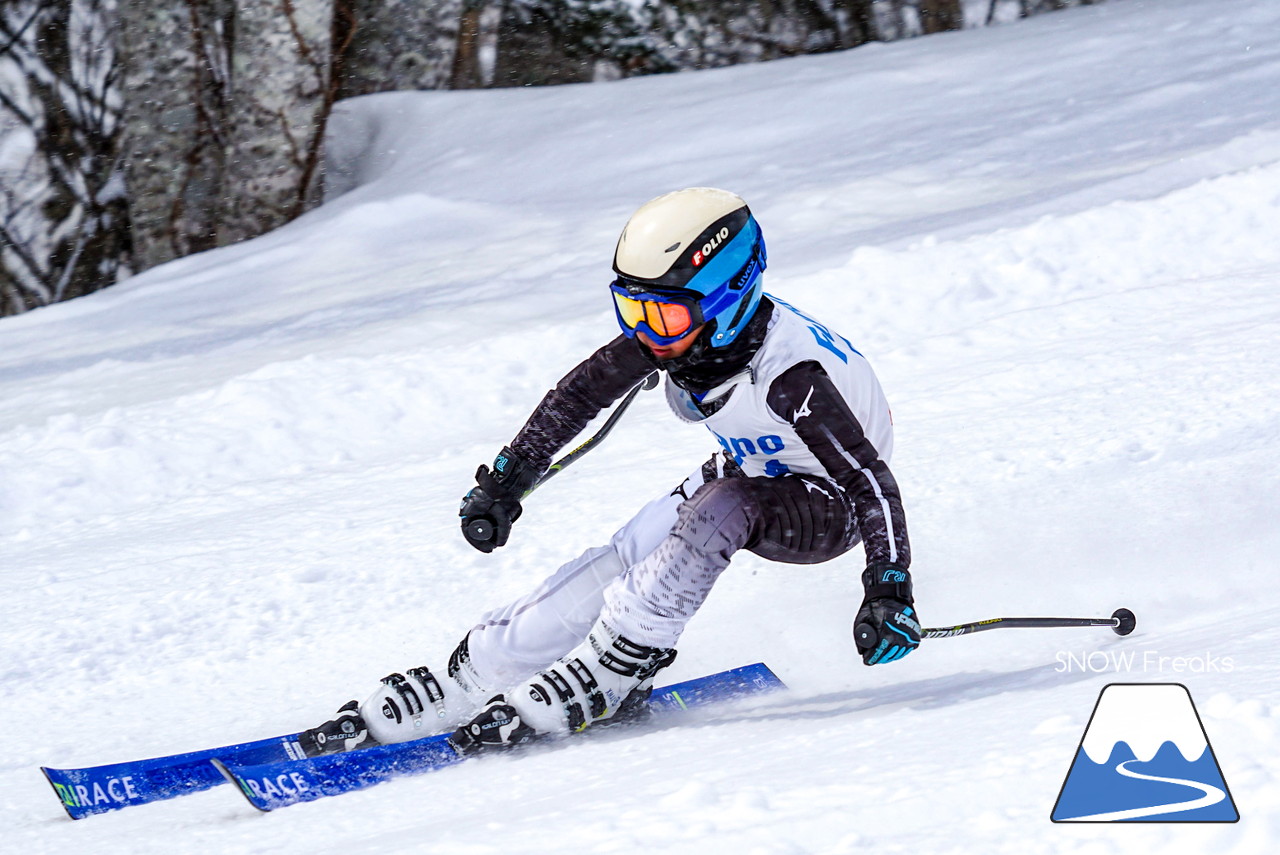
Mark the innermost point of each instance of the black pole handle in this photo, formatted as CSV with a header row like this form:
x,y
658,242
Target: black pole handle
x,y
480,528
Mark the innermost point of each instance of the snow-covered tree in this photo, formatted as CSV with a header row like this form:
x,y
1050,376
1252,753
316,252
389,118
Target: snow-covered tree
x,y
63,223
1002,9
571,41
855,22
1032,7
708,35
386,45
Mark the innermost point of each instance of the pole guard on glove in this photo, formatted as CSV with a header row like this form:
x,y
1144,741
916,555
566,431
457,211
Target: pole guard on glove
x,y
887,627
492,506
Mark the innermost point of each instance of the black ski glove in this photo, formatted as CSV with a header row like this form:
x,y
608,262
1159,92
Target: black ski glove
x,y
491,507
887,627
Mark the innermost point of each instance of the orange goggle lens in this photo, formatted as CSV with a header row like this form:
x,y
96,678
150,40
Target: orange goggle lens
x,y
665,319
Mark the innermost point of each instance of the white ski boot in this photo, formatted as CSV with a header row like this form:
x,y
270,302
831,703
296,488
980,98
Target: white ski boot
x,y
405,706
602,677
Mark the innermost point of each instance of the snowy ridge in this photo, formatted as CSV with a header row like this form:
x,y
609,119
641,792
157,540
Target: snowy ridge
x,y
275,422
1118,246
282,419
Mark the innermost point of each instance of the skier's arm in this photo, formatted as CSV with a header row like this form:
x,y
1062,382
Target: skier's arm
x,y
804,397
886,627
594,384
598,381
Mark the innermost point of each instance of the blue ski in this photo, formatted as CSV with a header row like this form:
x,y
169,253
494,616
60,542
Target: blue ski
x,y
273,785
99,789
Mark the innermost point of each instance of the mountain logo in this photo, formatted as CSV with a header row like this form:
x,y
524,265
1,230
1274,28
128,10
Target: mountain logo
x,y
1145,757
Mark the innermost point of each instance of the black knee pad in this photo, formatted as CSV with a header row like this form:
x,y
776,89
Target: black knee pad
x,y
721,516
805,520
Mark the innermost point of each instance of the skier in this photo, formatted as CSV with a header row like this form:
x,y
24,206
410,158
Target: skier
x,y
802,477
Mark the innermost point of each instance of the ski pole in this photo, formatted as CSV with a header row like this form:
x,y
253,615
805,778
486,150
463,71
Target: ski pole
x,y
1122,622
595,439
481,528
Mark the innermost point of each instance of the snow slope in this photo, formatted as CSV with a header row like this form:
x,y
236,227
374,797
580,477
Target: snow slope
x,y
228,487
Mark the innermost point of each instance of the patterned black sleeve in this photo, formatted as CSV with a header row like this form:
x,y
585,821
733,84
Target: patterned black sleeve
x,y
805,398
598,381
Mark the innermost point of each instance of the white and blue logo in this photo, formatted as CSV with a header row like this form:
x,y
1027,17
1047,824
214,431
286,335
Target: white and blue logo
x,y
1145,757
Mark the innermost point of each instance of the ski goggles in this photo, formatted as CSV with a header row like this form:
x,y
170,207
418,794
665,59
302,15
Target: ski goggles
x,y
663,318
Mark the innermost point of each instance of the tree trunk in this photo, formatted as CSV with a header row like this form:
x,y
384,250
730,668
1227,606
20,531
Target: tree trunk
x,y
173,87
938,16
856,22
466,72
281,91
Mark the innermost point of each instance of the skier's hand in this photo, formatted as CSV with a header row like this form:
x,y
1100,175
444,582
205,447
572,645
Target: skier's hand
x,y
493,505
887,627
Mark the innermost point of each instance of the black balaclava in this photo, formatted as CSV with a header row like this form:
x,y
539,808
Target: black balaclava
x,y
704,367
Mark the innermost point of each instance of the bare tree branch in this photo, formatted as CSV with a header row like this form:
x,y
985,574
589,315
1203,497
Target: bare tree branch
x,y
62,230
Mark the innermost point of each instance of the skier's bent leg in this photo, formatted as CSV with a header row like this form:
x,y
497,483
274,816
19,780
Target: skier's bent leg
x,y
511,643
606,676
651,603
796,519
508,646
643,614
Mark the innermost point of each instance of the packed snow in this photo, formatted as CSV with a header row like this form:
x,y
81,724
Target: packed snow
x,y
229,486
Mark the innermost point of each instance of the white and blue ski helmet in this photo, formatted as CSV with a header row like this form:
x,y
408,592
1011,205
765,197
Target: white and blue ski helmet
x,y
699,246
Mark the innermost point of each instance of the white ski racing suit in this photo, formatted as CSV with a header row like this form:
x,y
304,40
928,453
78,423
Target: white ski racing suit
x,y
802,477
